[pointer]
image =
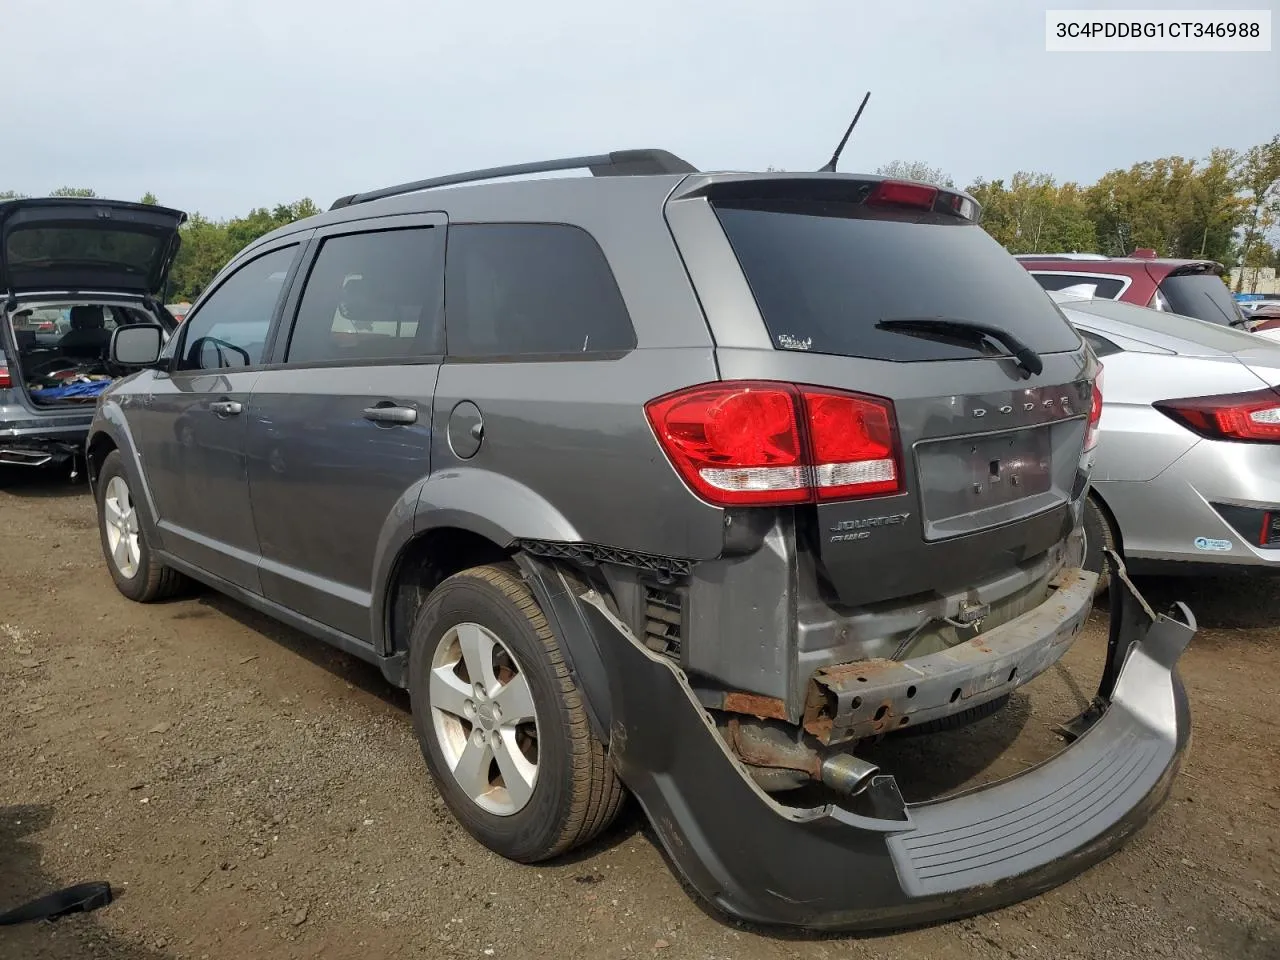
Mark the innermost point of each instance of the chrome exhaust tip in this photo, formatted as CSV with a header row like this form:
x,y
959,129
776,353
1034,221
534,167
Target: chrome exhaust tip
x,y
847,774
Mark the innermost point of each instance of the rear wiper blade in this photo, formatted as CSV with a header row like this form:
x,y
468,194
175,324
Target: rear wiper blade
x,y
1024,356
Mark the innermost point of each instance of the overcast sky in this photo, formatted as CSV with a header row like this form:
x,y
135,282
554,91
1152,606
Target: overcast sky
x,y
222,105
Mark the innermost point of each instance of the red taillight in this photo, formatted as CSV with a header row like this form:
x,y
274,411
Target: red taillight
x,y
6,380
747,442
734,443
854,445
1095,413
901,194
1252,417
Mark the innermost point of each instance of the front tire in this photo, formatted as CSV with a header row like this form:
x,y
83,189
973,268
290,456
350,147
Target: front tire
x,y
501,723
130,560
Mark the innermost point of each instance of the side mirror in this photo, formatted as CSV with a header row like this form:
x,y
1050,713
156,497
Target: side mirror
x,y
137,345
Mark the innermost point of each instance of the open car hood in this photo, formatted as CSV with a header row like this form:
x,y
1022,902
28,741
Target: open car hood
x,y
74,244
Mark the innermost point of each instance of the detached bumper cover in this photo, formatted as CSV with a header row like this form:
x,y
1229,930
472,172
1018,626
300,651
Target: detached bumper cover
x,y
893,864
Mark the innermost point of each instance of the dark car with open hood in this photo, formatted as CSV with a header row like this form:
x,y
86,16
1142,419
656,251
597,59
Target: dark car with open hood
x,y
72,272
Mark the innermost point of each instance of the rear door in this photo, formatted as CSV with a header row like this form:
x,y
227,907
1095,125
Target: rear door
x,y
340,425
989,455
191,424
74,244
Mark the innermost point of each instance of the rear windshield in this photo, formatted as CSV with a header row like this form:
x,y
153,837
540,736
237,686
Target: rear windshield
x,y
34,246
824,274
1201,295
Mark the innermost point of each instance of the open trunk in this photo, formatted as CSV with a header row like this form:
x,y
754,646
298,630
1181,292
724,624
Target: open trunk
x,y
73,270
58,352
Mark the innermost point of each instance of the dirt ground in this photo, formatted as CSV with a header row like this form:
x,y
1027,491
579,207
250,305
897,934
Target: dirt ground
x,y
249,792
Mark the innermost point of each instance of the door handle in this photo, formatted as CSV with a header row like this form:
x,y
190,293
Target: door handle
x,y
394,415
226,408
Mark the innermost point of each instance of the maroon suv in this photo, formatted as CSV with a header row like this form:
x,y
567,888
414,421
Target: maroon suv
x,y
1193,288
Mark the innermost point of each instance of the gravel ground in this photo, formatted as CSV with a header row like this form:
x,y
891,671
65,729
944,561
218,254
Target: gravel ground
x,y
250,792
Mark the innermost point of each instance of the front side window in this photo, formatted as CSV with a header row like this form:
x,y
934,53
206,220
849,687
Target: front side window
x,y
372,296
524,289
229,331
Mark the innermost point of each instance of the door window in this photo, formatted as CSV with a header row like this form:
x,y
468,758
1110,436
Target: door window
x,y
229,330
372,296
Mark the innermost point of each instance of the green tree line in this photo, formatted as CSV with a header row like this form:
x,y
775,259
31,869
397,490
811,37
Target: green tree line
x,y
1223,207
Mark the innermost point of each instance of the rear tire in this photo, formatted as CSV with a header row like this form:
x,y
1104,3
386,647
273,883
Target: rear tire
x,y
1099,536
528,789
130,560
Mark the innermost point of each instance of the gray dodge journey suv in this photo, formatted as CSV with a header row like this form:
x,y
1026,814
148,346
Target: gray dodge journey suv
x,y
681,483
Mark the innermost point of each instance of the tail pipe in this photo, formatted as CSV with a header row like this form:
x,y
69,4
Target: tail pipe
x,y
847,774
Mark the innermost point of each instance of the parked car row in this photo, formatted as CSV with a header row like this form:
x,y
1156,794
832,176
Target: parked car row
x,y
675,483
1193,288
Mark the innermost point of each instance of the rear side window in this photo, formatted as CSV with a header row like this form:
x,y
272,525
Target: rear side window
x,y
1108,288
1102,347
824,274
528,289
1200,295
230,328
372,296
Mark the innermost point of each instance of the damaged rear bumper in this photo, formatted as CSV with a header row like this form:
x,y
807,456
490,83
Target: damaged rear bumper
x,y
872,697
37,452
38,442
891,863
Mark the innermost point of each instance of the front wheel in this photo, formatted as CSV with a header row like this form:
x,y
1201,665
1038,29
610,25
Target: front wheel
x,y
501,723
136,572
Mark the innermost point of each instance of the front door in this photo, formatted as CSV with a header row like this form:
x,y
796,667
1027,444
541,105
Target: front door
x,y
192,424
340,424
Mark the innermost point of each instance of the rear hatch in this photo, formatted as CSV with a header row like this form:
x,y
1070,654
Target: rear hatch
x,y
942,460
1195,289
73,244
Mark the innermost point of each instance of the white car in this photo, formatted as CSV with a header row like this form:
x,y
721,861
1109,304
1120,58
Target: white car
x,y
1187,470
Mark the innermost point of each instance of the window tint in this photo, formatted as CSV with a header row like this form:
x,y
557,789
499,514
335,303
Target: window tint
x,y
230,328
1106,287
372,296
35,246
1201,295
824,275
1102,347
515,289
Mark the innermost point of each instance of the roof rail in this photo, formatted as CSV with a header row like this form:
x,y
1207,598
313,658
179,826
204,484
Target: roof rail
x,y
619,163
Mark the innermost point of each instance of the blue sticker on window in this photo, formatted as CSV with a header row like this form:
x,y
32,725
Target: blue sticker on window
x,y
1206,543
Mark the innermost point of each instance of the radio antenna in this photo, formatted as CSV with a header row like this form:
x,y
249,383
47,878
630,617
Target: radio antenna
x,y
835,157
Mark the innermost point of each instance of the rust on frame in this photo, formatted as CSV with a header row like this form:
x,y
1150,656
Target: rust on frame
x,y
753,705
865,670
759,752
